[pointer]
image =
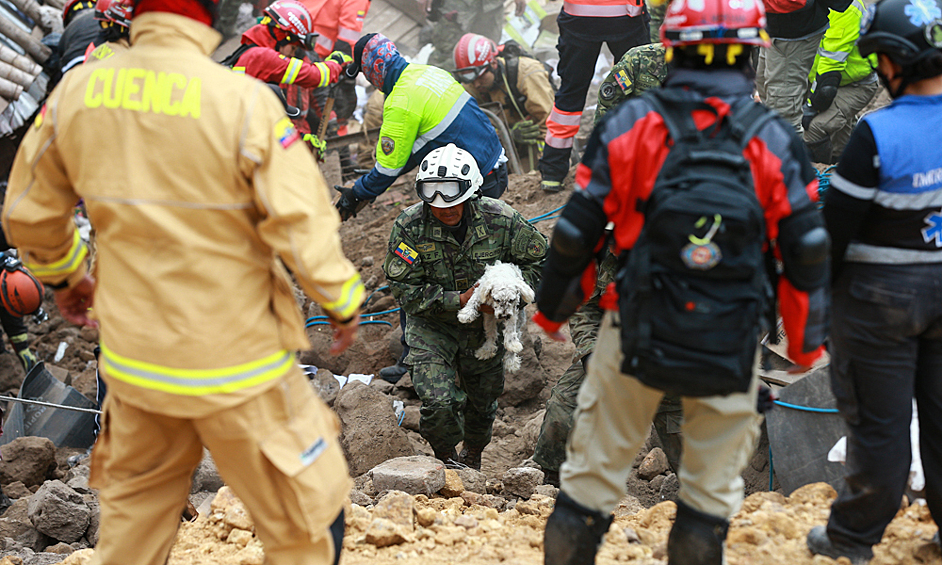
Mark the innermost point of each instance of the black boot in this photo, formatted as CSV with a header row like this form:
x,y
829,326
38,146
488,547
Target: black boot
x,y
696,538
393,373
573,533
471,456
820,543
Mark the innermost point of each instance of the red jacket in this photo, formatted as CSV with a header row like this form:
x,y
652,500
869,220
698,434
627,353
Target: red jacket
x,y
337,20
626,154
266,64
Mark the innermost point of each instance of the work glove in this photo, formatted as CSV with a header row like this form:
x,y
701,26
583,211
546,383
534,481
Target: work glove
x,y
825,89
526,132
340,58
807,115
349,204
319,146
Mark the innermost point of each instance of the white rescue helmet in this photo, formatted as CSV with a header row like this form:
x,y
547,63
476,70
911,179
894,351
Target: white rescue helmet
x,y
447,177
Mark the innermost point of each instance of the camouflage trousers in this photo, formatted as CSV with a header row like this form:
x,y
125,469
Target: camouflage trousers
x,y
551,446
458,391
461,17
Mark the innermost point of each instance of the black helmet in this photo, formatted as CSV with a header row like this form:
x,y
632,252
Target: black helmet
x,y
909,32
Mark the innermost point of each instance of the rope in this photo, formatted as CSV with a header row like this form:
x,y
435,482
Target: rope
x,y
50,405
824,183
542,217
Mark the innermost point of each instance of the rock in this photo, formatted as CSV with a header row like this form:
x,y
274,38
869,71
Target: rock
x,y
80,557
417,474
239,537
325,385
206,478
60,548
231,508
30,460
382,533
628,506
411,419
546,490
366,261
397,507
653,464
94,520
472,498
59,512
360,498
670,487
371,432
466,521
16,526
16,490
528,382
453,485
473,480
521,481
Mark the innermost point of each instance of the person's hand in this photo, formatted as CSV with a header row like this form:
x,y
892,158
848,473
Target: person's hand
x,y
526,132
344,335
75,302
347,205
465,296
520,7
340,58
319,146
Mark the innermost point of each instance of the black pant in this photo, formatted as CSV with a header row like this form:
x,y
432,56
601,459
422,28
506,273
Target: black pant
x,y
495,183
886,348
576,68
13,326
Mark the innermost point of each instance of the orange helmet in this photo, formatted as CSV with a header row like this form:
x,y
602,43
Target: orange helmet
x,y
473,55
716,22
118,12
293,21
20,293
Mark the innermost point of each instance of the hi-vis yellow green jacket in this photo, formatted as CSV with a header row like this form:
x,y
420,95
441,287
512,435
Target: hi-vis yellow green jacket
x,y
198,188
838,49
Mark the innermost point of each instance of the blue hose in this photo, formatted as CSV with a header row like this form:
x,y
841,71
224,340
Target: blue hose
x,y
312,318
370,315
543,216
363,323
368,322
806,408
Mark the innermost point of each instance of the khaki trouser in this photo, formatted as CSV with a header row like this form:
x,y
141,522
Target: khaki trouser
x,y
838,121
143,463
782,76
613,420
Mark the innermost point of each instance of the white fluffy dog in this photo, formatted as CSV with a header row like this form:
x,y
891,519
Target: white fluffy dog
x,y
502,287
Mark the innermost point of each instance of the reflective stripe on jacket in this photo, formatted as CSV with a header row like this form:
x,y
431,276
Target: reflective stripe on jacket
x,y
838,48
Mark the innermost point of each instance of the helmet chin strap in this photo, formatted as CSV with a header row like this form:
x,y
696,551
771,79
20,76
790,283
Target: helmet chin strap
x,y
898,91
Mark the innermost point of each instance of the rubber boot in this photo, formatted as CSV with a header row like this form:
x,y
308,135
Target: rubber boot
x,y
573,533
393,373
820,543
471,456
696,538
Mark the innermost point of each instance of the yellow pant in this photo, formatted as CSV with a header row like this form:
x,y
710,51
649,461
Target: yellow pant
x,y
613,418
278,451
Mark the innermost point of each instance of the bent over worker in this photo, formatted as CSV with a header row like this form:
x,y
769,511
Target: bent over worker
x,y
201,195
438,249
425,109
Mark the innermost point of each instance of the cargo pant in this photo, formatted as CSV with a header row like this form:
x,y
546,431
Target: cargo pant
x,y
782,75
143,462
838,121
458,391
483,17
613,419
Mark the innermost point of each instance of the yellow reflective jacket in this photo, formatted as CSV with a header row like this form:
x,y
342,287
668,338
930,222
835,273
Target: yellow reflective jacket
x,y
838,48
198,188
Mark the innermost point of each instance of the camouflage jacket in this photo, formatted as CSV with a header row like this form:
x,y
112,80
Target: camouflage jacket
x,y
641,68
428,269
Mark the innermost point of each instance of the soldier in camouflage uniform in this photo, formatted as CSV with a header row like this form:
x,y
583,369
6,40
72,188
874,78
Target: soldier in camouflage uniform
x,y
657,9
641,68
438,249
458,17
550,449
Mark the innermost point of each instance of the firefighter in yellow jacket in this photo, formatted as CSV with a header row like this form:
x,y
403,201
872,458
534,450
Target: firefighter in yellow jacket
x,y
201,193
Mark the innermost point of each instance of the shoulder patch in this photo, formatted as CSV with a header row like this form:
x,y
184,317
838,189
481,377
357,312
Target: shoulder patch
x,y
621,77
407,254
425,247
285,132
387,145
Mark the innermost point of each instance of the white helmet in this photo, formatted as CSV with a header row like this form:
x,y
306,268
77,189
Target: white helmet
x,y
447,177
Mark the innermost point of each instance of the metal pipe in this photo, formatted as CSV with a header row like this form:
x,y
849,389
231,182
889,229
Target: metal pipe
x,y
50,405
506,140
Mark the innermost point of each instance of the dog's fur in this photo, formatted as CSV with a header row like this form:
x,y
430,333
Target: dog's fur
x,y
502,287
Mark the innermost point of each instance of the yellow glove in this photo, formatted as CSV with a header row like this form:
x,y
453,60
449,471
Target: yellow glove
x,y
318,145
340,58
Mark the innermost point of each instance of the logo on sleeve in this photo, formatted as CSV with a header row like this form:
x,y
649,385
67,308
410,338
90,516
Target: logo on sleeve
x,y
285,132
408,254
932,233
387,145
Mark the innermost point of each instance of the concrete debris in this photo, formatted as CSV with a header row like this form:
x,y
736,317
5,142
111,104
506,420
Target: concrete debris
x,y
59,512
418,474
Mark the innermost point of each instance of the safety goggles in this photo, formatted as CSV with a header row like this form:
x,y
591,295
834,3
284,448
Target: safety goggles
x,y
306,41
468,74
448,189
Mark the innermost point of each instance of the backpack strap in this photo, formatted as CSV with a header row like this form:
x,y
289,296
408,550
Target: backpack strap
x,y
511,74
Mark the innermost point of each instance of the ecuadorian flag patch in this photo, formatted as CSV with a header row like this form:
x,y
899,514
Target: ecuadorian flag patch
x,y
285,132
621,77
408,254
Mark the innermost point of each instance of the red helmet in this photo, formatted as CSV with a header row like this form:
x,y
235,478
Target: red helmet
x,y
20,293
208,15
292,19
473,55
117,12
718,22
73,7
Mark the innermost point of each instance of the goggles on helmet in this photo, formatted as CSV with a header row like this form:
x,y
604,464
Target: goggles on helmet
x,y
468,74
448,189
